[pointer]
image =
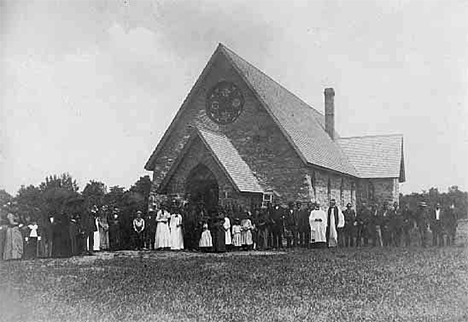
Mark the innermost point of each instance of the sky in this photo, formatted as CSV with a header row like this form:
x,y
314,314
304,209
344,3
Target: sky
x,y
89,87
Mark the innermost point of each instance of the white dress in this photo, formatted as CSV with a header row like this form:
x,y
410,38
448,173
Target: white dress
x,y
246,232
162,238
97,238
227,231
177,237
236,235
205,239
318,228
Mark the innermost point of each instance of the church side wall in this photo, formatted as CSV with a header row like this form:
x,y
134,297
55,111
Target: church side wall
x,y
378,191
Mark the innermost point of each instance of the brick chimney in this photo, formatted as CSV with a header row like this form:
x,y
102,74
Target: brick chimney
x,y
330,112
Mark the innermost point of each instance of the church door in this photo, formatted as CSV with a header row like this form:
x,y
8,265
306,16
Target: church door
x,y
201,186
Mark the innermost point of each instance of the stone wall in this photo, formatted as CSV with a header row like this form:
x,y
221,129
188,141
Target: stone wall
x,y
378,190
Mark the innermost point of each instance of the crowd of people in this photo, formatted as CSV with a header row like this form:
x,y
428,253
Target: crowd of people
x,y
177,226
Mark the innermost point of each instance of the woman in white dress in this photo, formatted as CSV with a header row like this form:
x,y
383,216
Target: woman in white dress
x,y
247,240
227,231
175,225
97,236
162,239
237,234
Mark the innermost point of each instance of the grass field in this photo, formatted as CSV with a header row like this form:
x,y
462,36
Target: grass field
x,y
370,284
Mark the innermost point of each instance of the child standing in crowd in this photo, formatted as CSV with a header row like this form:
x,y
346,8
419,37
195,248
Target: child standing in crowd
x,y
236,234
206,241
139,227
31,240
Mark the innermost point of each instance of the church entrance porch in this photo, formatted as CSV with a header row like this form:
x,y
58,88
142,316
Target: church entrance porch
x,y
202,187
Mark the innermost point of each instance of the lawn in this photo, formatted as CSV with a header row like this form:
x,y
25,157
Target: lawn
x,y
370,284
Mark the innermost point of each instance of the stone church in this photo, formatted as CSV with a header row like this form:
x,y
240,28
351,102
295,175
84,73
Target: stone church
x,y
241,138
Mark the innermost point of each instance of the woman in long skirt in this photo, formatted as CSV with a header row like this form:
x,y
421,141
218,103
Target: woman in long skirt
x,y
227,231
162,239
237,234
175,225
103,232
247,241
13,248
97,235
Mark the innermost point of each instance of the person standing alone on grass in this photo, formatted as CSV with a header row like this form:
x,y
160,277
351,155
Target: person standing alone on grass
x,y
335,220
139,228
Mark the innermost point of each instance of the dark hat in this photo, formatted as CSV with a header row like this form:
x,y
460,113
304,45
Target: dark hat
x,y
348,205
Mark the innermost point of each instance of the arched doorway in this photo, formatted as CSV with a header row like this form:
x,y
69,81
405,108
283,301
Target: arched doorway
x,y
201,186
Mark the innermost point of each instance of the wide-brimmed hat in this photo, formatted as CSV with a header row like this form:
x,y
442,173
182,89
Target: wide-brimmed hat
x,y
422,204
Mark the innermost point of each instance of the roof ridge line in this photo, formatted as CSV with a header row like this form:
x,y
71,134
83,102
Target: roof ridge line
x,y
273,80
370,136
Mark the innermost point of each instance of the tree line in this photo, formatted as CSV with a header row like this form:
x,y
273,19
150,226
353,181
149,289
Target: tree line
x,y
60,195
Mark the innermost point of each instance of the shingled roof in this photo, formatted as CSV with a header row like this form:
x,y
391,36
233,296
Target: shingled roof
x,y
230,160
379,156
227,157
302,124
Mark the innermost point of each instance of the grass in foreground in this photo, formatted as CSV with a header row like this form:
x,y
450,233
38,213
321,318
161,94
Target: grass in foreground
x,y
341,285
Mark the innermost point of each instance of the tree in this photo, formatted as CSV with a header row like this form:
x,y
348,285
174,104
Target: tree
x,y
5,197
115,197
139,193
30,202
94,193
56,192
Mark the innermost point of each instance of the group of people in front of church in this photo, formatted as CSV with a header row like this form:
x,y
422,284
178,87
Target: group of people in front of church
x,y
307,225
192,227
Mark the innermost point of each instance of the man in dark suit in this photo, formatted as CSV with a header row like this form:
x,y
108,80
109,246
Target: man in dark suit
x,y
150,229
303,226
349,230
407,224
450,224
290,232
436,219
422,222
276,226
88,226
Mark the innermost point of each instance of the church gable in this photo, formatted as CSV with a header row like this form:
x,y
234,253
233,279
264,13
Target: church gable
x,y
255,135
